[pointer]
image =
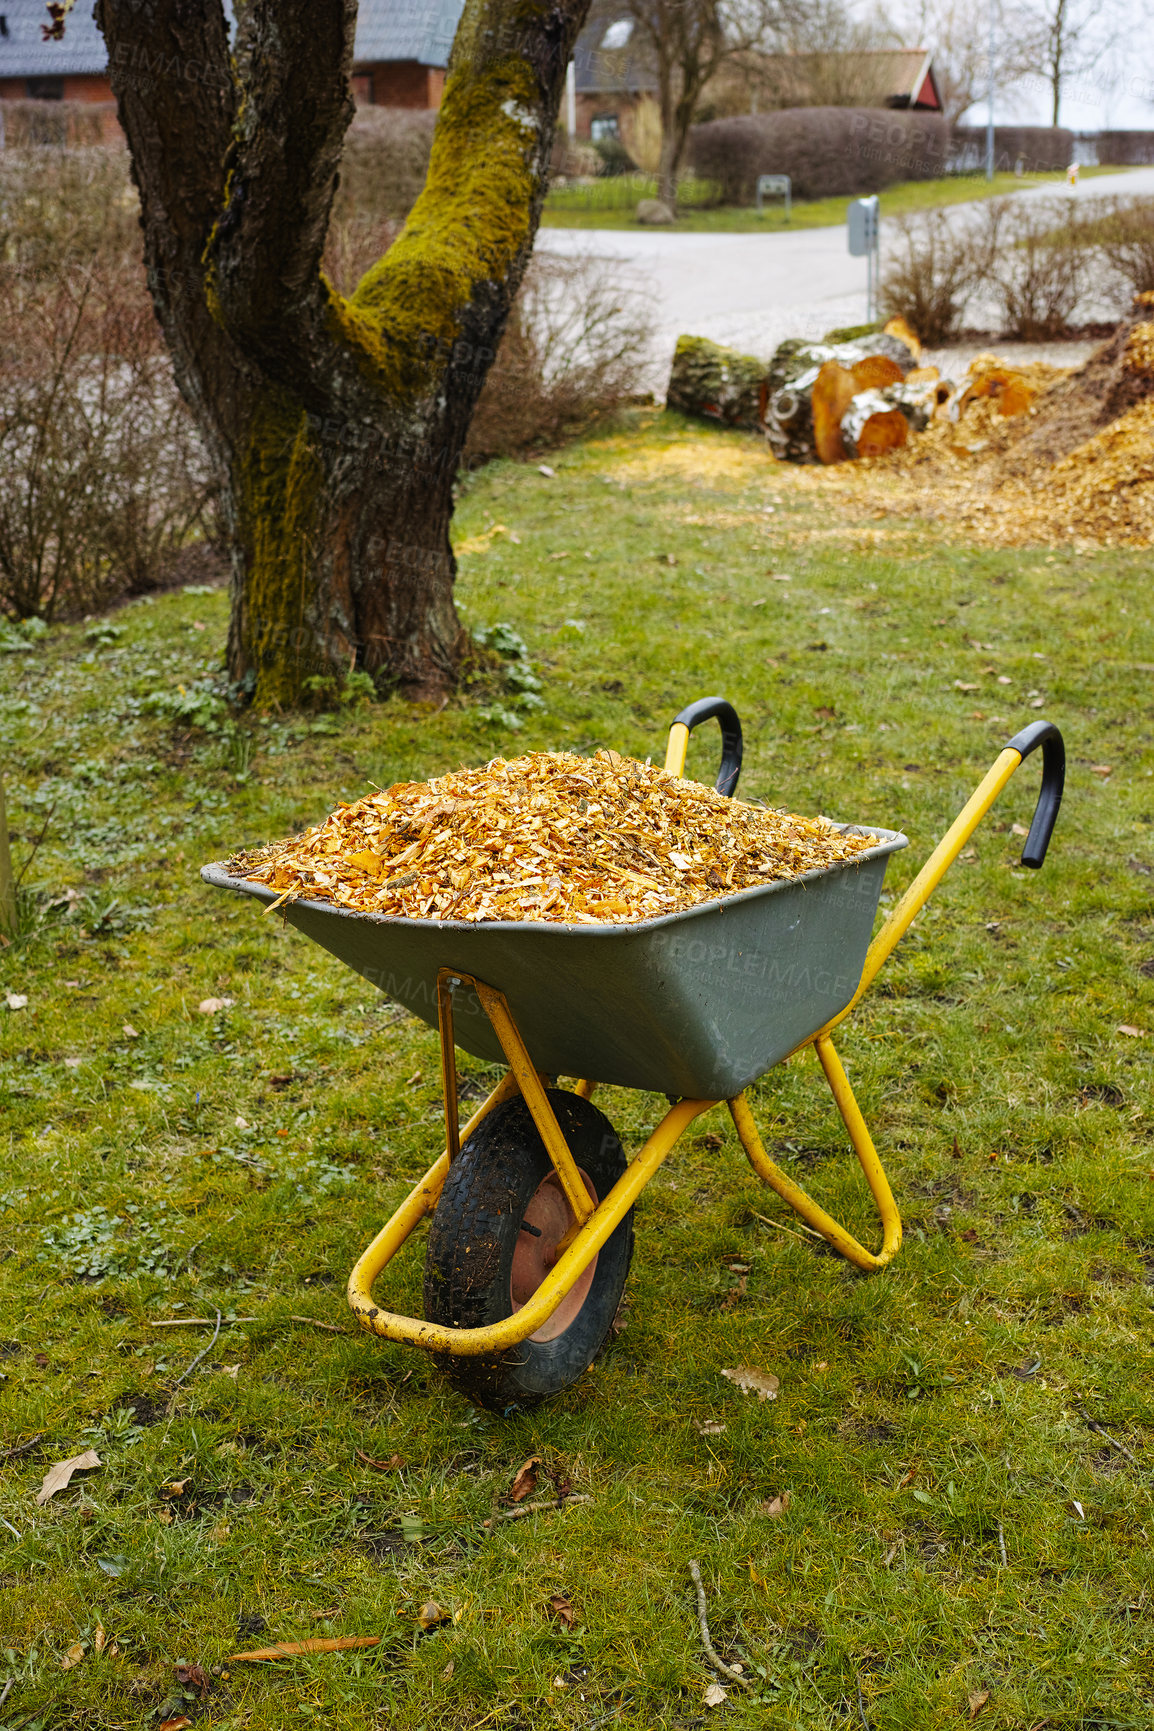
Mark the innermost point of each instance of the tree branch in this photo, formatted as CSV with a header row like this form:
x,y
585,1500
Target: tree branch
x,y
170,73
294,62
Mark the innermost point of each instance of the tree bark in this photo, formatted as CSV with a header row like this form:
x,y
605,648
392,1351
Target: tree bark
x,y
336,422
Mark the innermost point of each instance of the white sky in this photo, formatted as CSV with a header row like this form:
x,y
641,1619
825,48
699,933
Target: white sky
x,y
1117,91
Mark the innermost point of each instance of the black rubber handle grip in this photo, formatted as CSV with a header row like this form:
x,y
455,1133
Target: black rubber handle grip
x,y
705,709
1046,735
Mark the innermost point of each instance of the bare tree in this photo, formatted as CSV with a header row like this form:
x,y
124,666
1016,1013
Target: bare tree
x,y
687,43
957,33
336,422
1068,39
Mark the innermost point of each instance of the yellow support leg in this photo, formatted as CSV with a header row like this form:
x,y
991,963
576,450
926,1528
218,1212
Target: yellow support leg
x,y
843,1242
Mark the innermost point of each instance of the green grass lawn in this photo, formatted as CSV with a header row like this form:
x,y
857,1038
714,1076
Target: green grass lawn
x,y
159,1162
611,204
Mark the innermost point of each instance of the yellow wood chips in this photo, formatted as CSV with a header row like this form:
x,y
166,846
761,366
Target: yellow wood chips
x,y
548,836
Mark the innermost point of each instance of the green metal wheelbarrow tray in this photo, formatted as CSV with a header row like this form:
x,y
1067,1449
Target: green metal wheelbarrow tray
x,y
532,1199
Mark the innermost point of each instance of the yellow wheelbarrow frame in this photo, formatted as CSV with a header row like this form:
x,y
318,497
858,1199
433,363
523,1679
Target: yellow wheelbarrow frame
x,y
595,1225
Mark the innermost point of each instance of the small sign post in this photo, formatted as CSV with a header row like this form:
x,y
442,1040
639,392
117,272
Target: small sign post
x,y
774,183
864,225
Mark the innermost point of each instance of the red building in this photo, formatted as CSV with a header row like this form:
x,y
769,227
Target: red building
x,y
402,49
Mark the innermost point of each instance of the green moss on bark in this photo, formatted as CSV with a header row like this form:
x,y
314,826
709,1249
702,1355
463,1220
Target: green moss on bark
x,y
469,225
282,482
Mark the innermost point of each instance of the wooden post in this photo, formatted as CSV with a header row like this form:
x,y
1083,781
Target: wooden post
x,y
7,882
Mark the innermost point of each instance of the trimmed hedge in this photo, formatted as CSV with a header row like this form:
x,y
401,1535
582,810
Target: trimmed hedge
x,y
1122,149
825,151
384,164
28,122
1040,149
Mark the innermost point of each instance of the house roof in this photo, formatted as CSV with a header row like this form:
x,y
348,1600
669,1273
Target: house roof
x,y
869,78
420,30
611,56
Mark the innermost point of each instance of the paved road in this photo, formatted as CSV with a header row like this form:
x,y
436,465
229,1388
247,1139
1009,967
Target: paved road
x,y
752,290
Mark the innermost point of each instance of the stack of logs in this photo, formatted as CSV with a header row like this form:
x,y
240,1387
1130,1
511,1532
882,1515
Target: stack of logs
x,y
851,395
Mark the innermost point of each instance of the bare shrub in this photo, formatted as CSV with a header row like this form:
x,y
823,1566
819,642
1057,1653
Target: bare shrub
x,y
573,351
385,161
1125,231
28,123
105,476
928,275
1036,259
825,151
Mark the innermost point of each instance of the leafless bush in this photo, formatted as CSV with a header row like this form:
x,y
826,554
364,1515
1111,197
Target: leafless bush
x,y
928,275
573,351
1125,231
61,207
104,476
825,151
24,124
1036,259
385,161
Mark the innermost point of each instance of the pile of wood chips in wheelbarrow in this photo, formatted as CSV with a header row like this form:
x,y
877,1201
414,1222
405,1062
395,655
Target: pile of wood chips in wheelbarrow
x,y
548,836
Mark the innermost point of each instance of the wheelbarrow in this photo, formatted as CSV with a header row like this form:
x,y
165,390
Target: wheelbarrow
x,y
532,1199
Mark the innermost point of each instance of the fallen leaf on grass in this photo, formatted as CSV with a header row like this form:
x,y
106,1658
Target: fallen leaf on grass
x,y
711,1427
132,1033
780,577
431,1615
315,1644
58,1476
563,1611
1129,1028
177,1724
1102,769
544,469
962,685
16,1000
715,1695
232,1370
210,1006
526,1479
978,1701
99,1638
73,1656
762,1383
192,1677
73,1063
389,1466
448,1671
1018,829
241,1123
776,1505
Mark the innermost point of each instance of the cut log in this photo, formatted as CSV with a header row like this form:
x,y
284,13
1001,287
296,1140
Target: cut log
x,y
717,383
880,421
876,372
833,391
793,372
872,425
1012,389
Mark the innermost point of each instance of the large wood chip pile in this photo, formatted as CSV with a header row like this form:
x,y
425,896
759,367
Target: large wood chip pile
x,y
549,836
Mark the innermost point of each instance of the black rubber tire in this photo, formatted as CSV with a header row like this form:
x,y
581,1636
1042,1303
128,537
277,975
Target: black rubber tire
x,y
474,1234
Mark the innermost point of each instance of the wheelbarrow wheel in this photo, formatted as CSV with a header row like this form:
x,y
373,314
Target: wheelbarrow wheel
x,y
499,1219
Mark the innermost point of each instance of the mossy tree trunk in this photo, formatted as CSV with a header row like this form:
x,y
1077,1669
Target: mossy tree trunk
x,y
336,422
